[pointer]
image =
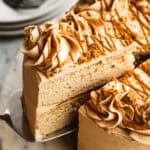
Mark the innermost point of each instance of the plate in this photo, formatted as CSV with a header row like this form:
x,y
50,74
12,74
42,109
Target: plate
x,y
22,15
17,29
59,12
36,21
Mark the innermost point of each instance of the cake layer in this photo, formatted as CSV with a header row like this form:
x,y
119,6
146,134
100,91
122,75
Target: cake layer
x,y
44,120
73,82
91,136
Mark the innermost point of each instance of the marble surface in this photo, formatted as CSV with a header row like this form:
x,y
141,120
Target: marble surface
x,y
8,138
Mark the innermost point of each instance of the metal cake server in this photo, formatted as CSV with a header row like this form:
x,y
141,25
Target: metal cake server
x,y
11,106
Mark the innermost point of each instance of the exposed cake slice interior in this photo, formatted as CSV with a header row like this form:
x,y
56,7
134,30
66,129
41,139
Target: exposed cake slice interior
x,y
64,61
118,113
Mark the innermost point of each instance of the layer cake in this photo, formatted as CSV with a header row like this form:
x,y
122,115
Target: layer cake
x,y
92,43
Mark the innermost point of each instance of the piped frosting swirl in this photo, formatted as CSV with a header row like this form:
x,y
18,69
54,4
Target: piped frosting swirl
x,y
124,103
88,31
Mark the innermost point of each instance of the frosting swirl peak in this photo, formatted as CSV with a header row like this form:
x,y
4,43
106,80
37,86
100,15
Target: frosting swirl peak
x,y
46,47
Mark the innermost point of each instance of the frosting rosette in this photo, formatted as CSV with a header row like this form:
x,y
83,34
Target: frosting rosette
x,y
46,47
124,103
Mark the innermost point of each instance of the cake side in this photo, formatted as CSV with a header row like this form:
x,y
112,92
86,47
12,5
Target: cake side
x,y
91,136
30,95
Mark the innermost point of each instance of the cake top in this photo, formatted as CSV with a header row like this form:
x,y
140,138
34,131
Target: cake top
x,y
124,102
88,31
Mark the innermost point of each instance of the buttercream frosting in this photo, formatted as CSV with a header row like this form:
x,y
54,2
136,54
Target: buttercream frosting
x,y
88,31
124,103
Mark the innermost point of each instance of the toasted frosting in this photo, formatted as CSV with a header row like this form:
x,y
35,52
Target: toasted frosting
x,y
88,31
124,103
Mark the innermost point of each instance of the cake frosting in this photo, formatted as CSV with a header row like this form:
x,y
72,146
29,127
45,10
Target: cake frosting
x,y
88,31
124,103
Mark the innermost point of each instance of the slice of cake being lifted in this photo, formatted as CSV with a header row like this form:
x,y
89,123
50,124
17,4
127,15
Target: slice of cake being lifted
x,y
63,61
117,117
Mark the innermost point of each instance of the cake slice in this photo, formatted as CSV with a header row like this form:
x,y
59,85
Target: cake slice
x,y
117,115
64,61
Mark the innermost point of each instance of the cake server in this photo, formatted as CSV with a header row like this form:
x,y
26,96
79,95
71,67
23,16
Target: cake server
x,y
11,109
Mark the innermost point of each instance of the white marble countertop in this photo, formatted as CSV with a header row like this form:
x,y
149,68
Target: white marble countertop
x,y
9,140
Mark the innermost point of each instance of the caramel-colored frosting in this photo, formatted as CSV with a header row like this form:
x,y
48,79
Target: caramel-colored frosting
x,y
124,103
88,31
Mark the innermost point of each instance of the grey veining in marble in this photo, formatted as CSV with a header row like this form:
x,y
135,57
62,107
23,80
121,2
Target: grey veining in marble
x,y
8,50
9,140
